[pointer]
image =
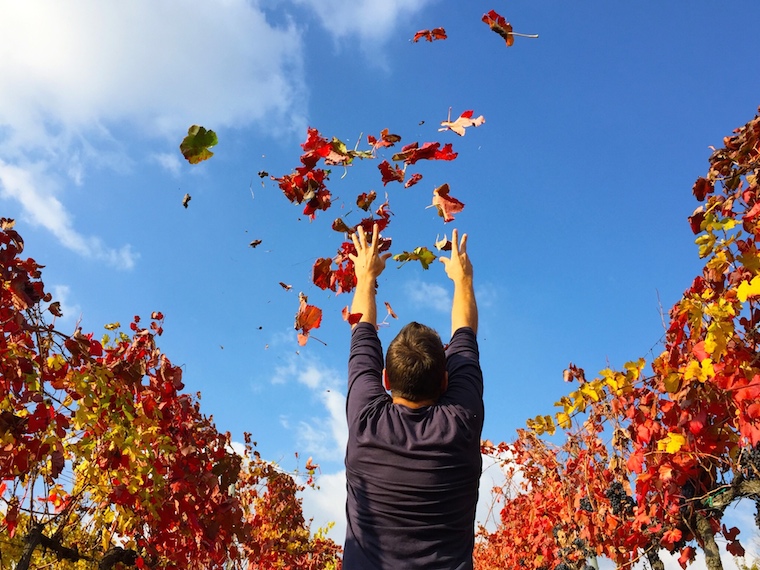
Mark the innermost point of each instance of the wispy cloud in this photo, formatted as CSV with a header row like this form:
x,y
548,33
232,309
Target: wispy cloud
x,y
324,435
429,295
80,70
368,20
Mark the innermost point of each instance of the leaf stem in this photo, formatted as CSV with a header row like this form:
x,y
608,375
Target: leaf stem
x,y
525,35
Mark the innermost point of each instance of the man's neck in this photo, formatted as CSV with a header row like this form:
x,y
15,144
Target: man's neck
x,y
399,401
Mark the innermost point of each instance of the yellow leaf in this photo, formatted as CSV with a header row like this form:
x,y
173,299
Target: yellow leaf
x,y
563,420
112,326
748,289
671,443
672,382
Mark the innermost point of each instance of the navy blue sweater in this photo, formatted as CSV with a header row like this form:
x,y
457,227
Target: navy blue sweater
x,y
412,474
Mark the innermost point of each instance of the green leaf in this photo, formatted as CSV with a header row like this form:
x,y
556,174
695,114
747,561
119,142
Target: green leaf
x,y
421,254
195,146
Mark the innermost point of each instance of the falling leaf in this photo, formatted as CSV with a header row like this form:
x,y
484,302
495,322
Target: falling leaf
x,y
55,309
465,120
364,200
285,286
195,146
390,173
443,244
447,205
386,139
500,25
255,243
351,318
421,254
186,200
430,35
340,226
412,152
390,310
263,173
413,179
308,317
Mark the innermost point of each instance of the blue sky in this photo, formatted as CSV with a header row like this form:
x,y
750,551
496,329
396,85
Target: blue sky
x,y
577,187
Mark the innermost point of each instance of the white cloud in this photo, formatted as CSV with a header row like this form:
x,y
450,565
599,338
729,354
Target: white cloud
x,y
323,436
327,504
429,295
75,73
72,313
34,188
168,161
369,20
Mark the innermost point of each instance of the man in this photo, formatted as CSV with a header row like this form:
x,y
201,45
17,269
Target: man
x,y
413,458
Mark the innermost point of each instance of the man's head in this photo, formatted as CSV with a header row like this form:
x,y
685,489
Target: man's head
x,y
415,364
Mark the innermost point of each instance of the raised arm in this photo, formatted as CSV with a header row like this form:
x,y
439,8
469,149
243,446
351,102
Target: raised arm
x,y
464,310
368,265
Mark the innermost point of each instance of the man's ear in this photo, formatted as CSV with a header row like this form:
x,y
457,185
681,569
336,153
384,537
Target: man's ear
x,y
445,382
386,384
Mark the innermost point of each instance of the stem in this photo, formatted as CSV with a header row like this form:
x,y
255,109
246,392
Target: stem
x,y
533,36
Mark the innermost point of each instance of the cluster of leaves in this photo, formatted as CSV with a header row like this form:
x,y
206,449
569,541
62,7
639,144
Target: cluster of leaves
x,y
104,458
682,437
307,184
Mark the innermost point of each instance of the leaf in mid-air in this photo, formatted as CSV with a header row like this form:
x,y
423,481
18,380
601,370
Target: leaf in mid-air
x,y
465,120
386,139
443,244
364,200
186,200
499,24
447,205
390,172
421,254
413,179
308,317
349,317
195,146
412,152
430,35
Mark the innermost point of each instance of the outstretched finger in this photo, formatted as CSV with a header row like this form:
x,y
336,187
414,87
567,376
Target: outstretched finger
x,y
463,244
375,235
454,243
355,239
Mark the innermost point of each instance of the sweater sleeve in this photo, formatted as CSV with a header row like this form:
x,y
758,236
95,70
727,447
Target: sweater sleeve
x,y
465,376
365,370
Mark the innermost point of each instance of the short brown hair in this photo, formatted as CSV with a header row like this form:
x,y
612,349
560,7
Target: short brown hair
x,y
416,363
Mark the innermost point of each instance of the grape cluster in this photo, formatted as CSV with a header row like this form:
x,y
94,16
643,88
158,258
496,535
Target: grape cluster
x,y
586,505
749,462
620,502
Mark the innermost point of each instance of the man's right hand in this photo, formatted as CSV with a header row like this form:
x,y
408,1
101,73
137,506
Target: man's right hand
x,y
464,310
458,266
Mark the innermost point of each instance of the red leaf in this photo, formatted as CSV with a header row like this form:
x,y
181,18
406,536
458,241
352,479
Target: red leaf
x,y
416,177
390,173
499,25
447,205
430,35
386,139
322,274
412,152
308,317
702,187
364,200
390,310
687,555
352,318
